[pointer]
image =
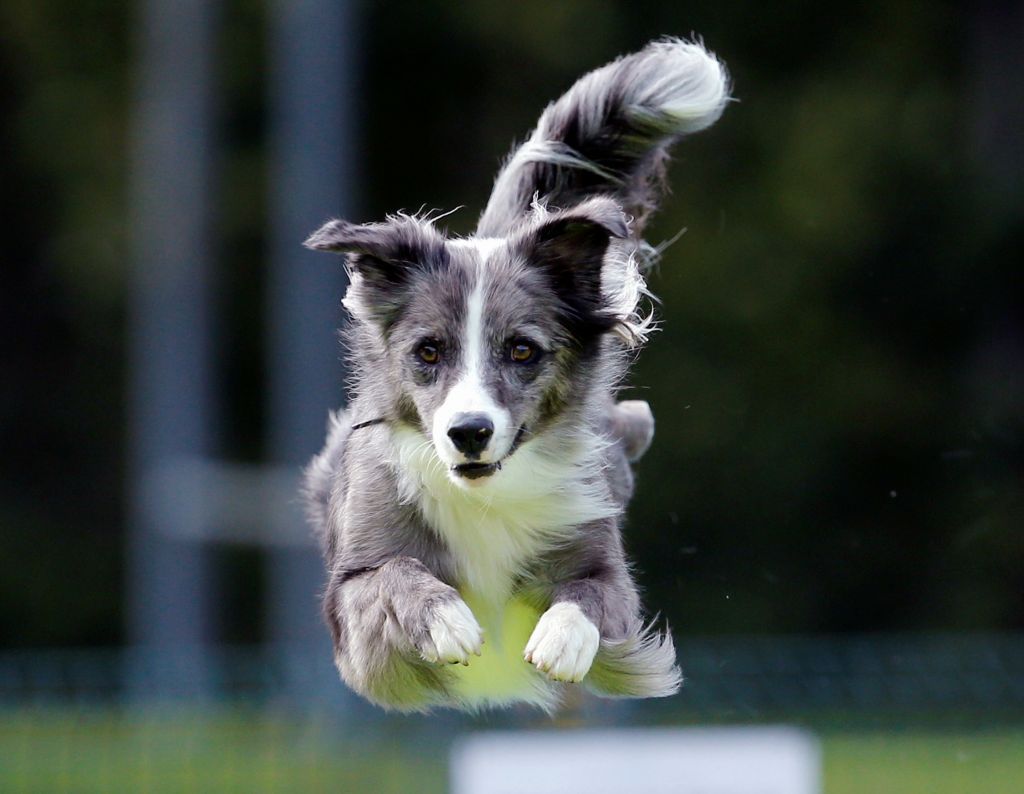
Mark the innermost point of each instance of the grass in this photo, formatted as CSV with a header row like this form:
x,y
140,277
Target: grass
x,y
982,761
82,750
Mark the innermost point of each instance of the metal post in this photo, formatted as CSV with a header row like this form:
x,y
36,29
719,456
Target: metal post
x,y
171,406
312,176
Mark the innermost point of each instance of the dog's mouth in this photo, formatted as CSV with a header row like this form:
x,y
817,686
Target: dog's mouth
x,y
477,470
474,471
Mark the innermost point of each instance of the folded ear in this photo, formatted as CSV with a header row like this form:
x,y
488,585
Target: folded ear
x,y
382,251
382,259
570,247
342,237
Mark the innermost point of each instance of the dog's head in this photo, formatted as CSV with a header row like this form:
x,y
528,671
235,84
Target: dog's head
x,y
488,340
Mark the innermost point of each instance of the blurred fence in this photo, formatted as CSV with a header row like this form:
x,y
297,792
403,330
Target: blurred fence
x,y
909,713
886,673
725,677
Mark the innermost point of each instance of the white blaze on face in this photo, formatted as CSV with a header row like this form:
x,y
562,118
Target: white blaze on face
x,y
470,395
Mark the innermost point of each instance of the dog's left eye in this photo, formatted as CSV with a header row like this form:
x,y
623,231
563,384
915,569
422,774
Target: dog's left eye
x,y
521,351
429,353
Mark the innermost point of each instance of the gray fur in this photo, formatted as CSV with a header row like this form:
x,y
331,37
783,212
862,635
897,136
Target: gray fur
x,y
404,546
610,134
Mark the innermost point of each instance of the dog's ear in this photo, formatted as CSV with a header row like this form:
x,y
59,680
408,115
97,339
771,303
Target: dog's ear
x,y
570,247
385,252
382,257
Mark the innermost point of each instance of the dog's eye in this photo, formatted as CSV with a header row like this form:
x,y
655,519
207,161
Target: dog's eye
x,y
429,353
522,352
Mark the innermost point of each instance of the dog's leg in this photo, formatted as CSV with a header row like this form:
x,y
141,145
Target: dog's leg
x,y
592,630
568,634
564,643
633,424
395,629
640,664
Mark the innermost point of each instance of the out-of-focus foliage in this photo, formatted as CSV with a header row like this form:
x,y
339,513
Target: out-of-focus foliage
x,y
64,75
839,385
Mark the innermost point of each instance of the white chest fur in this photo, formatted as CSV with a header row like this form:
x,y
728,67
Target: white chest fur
x,y
538,499
494,530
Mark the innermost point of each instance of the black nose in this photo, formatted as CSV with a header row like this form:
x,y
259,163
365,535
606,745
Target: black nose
x,y
470,433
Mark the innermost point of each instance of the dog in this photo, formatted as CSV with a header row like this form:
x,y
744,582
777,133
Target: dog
x,y
469,498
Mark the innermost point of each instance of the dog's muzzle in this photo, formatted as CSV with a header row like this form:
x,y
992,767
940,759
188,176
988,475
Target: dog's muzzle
x,y
476,470
471,433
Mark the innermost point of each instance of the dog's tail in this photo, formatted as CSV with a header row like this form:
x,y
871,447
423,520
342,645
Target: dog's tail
x,y
610,134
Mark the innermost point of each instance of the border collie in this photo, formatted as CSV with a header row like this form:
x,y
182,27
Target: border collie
x,y
469,498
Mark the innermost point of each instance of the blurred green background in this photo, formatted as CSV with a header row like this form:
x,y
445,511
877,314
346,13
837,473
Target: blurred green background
x,y
838,386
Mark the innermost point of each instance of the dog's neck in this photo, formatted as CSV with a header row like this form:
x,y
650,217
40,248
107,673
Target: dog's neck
x,y
548,488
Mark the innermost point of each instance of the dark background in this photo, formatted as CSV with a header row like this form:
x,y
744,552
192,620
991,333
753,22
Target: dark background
x,y
839,386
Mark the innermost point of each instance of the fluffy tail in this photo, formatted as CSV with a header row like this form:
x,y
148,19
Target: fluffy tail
x,y
610,134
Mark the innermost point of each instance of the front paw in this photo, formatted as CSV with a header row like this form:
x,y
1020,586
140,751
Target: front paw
x,y
451,635
563,644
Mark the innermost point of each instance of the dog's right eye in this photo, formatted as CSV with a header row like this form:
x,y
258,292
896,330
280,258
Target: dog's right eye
x,y
522,352
429,353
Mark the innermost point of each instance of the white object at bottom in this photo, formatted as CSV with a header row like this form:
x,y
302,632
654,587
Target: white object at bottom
x,y
728,760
